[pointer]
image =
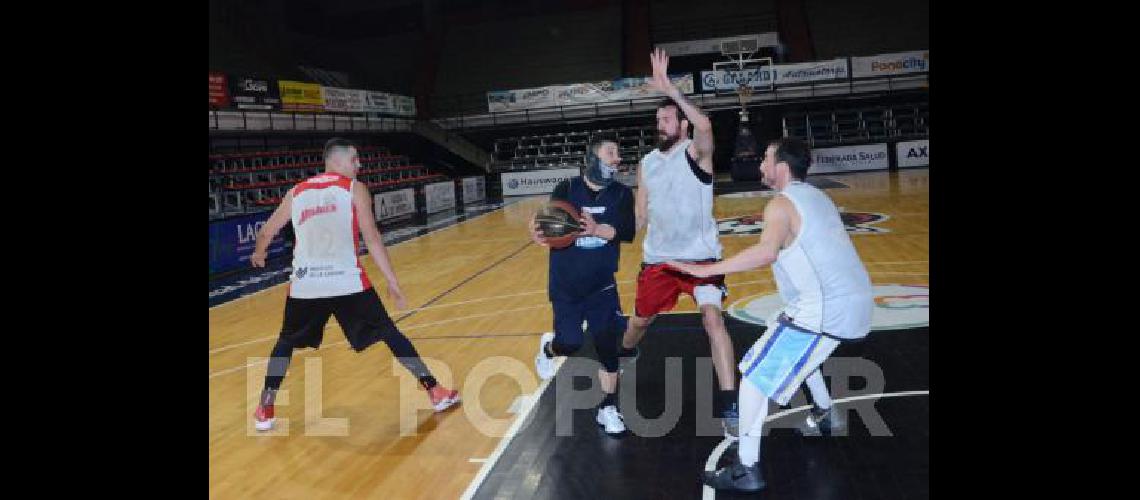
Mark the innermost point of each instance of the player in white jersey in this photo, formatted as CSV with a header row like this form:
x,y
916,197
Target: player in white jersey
x,y
329,213
827,297
675,199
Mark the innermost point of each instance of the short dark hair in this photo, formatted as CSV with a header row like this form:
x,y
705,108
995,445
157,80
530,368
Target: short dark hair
x,y
337,143
795,153
598,142
668,101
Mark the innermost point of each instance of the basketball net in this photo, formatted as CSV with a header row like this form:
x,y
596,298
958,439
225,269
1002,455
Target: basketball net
x,y
743,92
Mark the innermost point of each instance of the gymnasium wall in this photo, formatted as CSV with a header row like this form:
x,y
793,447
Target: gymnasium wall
x,y
841,28
531,51
677,20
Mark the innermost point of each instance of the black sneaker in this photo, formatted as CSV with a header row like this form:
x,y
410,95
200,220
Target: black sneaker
x,y
736,477
818,420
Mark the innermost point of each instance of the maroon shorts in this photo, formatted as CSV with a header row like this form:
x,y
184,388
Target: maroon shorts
x,y
659,285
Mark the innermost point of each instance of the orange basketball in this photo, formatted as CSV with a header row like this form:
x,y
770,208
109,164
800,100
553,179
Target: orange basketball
x,y
558,222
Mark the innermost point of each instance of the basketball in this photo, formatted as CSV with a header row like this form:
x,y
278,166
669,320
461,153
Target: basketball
x,y
558,222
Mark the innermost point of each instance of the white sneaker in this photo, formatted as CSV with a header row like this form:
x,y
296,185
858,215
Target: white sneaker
x,y
613,422
544,364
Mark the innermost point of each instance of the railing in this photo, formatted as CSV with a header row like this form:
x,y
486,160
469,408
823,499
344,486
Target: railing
x,y
455,143
461,112
468,110
276,120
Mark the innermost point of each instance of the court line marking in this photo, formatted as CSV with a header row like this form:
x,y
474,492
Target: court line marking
x,y
466,281
239,344
423,325
708,493
478,336
413,327
529,405
437,297
464,302
452,320
265,361
242,367
272,287
497,297
457,224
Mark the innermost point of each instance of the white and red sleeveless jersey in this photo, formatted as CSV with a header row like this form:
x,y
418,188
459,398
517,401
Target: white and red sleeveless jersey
x,y
325,261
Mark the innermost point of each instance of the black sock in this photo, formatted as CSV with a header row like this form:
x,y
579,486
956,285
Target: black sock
x,y
610,400
725,399
268,396
548,349
406,354
278,364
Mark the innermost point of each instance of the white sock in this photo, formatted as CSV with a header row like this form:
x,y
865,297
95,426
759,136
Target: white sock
x,y
818,390
753,411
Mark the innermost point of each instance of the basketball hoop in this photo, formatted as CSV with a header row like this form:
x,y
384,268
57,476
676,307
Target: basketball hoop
x,y
748,70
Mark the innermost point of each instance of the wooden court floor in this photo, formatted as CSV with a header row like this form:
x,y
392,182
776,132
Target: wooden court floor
x,y
359,427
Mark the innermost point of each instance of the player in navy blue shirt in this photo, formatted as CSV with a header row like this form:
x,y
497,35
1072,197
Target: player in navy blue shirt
x,y
582,284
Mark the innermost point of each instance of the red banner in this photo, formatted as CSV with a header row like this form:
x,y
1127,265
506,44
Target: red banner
x,y
219,91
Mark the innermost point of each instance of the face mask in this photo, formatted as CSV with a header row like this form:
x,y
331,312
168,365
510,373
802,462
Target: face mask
x,y
597,171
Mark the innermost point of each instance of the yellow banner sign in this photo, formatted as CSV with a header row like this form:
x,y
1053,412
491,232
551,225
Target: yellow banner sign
x,y
301,96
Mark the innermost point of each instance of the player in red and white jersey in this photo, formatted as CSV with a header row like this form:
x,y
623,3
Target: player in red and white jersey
x,y
329,213
324,219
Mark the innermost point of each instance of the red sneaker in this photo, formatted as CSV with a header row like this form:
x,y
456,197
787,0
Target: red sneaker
x,y
442,398
263,417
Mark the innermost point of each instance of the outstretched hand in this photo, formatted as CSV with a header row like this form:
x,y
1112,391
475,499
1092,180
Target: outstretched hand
x,y
660,80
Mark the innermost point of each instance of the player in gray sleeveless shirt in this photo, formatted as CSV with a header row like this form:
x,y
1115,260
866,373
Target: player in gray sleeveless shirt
x,y
827,297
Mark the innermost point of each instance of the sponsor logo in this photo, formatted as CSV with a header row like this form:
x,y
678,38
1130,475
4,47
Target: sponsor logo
x,y
897,307
589,242
909,63
514,183
247,233
913,153
310,212
854,222
919,152
395,203
850,157
255,85
530,94
324,272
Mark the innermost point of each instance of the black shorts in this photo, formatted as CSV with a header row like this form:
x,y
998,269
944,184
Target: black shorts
x,y
361,315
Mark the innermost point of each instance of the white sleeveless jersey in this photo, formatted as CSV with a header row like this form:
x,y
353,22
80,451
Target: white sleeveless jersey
x,y
681,223
325,262
820,277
